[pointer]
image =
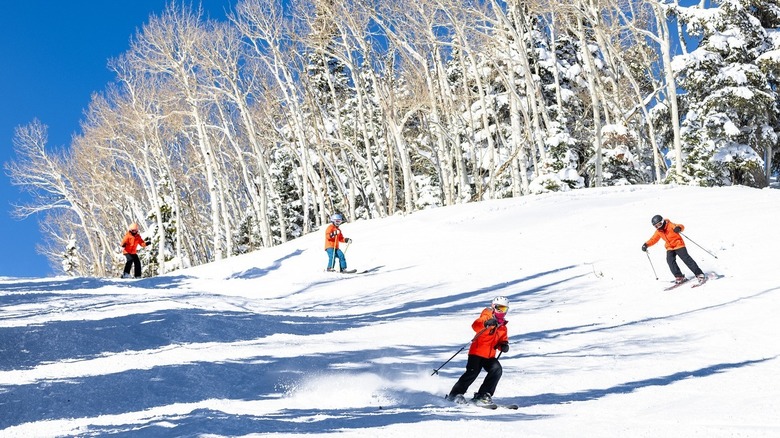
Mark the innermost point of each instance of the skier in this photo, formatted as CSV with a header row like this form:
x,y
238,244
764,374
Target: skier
x,y
675,246
130,250
333,236
491,336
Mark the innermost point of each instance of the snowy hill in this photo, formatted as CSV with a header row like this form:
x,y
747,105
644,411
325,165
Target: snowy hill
x,y
269,343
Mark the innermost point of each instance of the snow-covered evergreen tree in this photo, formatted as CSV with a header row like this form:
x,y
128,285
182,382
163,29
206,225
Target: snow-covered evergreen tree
x,y
621,166
731,115
70,258
560,70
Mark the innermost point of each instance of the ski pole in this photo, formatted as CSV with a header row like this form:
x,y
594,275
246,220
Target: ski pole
x,y
436,371
651,265
698,245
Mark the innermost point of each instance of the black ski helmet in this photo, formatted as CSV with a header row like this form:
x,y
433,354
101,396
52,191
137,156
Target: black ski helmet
x,y
657,219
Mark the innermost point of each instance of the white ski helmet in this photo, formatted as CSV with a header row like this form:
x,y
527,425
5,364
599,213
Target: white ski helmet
x,y
336,218
500,301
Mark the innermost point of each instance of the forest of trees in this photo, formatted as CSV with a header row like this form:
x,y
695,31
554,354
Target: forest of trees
x,y
224,137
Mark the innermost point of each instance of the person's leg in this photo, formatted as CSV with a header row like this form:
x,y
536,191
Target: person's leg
x,y
137,261
689,262
494,370
671,260
128,265
473,367
342,260
331,253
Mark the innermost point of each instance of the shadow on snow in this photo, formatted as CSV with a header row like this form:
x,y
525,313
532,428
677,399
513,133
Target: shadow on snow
x,y
248,379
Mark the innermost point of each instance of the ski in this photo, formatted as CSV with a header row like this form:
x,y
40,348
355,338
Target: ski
x,y
355,271
494,405
460,400
348,271
365,271
676,285
707,277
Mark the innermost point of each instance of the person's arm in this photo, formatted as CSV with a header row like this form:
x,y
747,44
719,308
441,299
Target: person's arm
x,y
479,323
653,240
330,234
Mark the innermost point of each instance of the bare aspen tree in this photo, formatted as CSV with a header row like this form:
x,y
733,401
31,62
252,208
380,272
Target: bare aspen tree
x,y
335,105
417,30
469,42
664,41
170,46
410,28
46,177
133,138
636,17
108,194
264,26
514,30
515,22
382,78
236,80
590,74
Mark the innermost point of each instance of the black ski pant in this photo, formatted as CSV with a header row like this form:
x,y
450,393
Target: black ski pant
x,y
671,259
131,260
474,365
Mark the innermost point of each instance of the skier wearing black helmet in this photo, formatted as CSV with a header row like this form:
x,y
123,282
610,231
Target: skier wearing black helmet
x,y
675,246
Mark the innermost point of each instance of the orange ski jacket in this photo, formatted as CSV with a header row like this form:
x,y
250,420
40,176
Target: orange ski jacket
x,y
130,243
485,343
673,240
333,236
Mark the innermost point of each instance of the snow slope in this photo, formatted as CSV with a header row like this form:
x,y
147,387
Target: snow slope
x,y
268,343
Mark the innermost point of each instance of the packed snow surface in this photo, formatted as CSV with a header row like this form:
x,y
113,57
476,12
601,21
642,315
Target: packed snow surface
x,y
268,343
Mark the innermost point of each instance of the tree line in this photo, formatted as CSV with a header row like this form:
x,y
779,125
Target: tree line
x,y
224,137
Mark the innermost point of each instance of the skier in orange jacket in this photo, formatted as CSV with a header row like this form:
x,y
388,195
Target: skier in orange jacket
x,y
491,336
333,237
130,250
675,246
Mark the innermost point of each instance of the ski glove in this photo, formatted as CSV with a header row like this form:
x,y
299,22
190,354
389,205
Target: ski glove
x,y
644,247
148,242
504,347
333,234
348,240
677,229
491,323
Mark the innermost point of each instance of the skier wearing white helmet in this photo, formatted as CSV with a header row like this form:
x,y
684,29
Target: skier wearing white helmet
x,y
333,237
130,244
491,336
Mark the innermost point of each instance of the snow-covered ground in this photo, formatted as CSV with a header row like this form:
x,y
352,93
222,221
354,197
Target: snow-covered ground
x,y
268,343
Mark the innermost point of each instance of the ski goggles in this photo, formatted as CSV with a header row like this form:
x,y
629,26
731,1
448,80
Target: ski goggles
x,y
501,309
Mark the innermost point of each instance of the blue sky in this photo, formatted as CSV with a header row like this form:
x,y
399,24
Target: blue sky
x,y
53,56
